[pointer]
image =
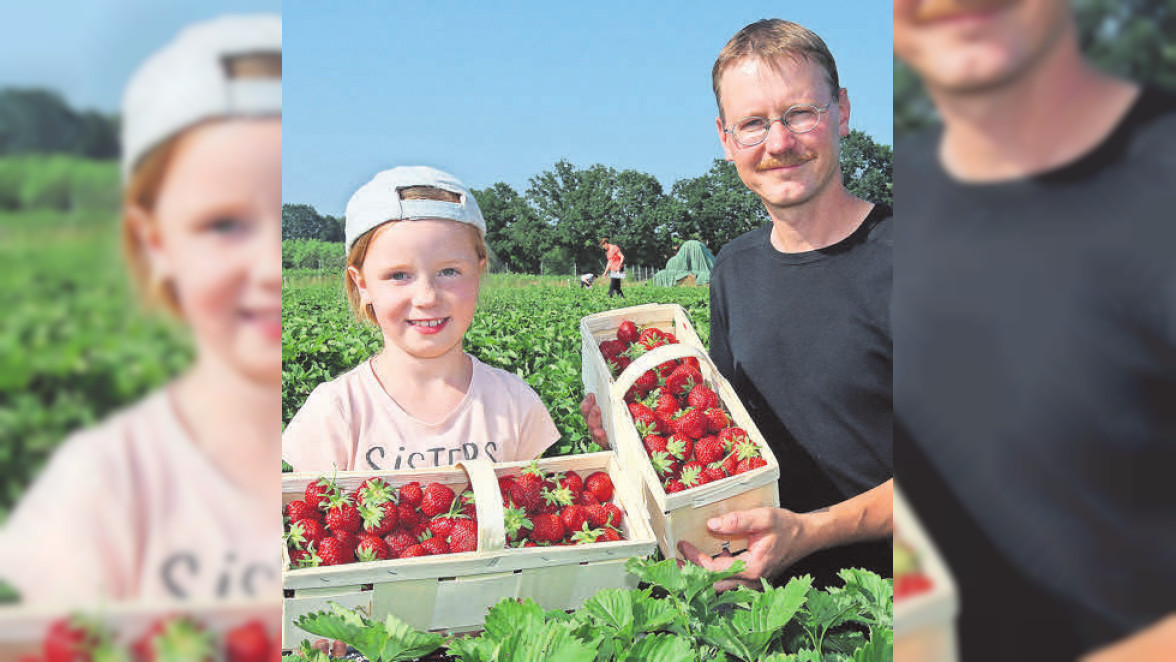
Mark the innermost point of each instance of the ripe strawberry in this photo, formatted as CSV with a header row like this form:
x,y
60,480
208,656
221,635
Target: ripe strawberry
x,y
346,538
618,363
691,423
437,499
515,523
680,446
664,464
573,517
611,535
299,509
627,332
733,437
571,480
673,485
374,491
468,507
248,642
379,520
505,483
317,492
666,404
654,443
306,558
612,348
691,475
527,491
174,638
398,541
600,485
464,537
586,499
716,420
585,535
442,525
730,463
342,515
692,363
335,552
646,419
665,369
411,493
708,450
435,546
713,472
682,380
421,530
304,532
615,514
406,517
603,514
645,382
651,338
415,550
546,528
371,548
702,398
749,464
71,639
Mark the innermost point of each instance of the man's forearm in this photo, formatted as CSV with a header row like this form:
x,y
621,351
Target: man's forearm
x,y
867,516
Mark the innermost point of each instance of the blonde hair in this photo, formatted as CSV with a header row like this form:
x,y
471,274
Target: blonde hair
x,y
358,252
142,191
768,40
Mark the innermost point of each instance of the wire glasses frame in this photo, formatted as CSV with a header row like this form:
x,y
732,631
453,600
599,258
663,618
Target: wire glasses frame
x,y
751,131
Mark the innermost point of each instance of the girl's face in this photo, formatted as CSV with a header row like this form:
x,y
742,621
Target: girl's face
x,y
421,278
216,236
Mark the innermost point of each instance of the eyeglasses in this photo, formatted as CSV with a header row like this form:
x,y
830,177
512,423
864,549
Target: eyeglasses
x,y
751,131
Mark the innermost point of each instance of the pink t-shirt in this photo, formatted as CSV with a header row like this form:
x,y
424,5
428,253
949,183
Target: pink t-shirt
x,y
352,424
133,510
615,257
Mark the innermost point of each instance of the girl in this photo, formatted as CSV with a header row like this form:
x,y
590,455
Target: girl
x,y
176,497
416,251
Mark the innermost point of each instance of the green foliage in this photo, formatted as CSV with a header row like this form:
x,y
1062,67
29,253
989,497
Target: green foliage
x,y
304,222
867,168
313,254
74,346
40,121
526,325
389,641
58,183
686,621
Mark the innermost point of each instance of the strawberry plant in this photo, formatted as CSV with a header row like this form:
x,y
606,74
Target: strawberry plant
x,y
677,616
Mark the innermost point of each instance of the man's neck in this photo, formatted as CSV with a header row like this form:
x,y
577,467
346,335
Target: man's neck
x,y
819,223
1046,118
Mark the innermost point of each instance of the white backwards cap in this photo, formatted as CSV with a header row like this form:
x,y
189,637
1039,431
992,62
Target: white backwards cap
x,y
379,201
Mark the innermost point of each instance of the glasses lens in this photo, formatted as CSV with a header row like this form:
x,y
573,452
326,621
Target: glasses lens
x,y
751,130
802,119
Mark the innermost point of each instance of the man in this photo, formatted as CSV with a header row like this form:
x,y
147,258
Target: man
x,y
800,314
614,268
1035,334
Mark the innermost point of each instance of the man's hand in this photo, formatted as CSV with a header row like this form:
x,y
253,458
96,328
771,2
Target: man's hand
x,y
776,538
1154,644
595,423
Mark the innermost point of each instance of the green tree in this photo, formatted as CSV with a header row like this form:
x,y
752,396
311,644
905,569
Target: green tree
x,y
304,222
867,167
714,208
40,121
513,232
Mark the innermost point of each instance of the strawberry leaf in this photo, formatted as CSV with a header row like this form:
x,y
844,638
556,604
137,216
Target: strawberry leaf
x,y
612,609
663,648
390,641
509,615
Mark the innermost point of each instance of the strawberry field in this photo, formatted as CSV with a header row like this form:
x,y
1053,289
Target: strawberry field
x,y
524,324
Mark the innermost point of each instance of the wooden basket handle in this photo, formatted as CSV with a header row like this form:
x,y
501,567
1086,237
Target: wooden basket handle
x,y
488,501
651,360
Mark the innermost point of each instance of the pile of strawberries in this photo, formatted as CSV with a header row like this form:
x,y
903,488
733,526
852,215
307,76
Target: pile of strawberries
x,y
375,522
173,637
909,578
689,436
559,508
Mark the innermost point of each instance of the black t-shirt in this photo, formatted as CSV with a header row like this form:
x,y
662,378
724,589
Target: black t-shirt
x,y
804,338
1035,382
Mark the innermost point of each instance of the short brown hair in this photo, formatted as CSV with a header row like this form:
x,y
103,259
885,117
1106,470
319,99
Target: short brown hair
x,y
769,40
358,252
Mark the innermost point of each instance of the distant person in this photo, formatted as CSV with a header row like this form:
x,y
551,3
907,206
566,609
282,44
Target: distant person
x,y
416,252
176,497
615,267
800,316
586,280
1035,339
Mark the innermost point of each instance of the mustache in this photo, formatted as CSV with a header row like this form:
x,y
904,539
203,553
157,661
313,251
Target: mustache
x,y
785,160
932,10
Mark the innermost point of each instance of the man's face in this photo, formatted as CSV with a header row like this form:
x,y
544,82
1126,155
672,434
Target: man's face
x,y
971,46
787,169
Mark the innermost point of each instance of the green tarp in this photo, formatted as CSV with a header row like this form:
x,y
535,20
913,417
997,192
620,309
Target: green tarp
x,y
693,259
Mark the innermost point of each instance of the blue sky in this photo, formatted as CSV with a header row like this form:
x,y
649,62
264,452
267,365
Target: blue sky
x,y
88,50
501,91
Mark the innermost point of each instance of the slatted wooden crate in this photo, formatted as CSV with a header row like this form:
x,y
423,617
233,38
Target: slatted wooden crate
x,y
924,623
451,593
683,515
23,628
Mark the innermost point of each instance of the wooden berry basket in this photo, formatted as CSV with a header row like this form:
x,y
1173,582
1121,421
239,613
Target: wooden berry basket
x,y
451,593
23,628
680,516
924,624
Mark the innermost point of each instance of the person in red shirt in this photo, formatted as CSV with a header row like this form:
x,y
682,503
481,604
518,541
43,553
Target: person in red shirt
x,y
615,267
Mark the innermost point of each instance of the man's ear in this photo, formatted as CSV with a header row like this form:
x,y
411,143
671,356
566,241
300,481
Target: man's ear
x,y
843,112
725,140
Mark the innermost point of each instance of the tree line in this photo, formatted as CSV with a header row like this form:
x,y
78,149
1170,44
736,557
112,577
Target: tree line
x,y
38,121
559,219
